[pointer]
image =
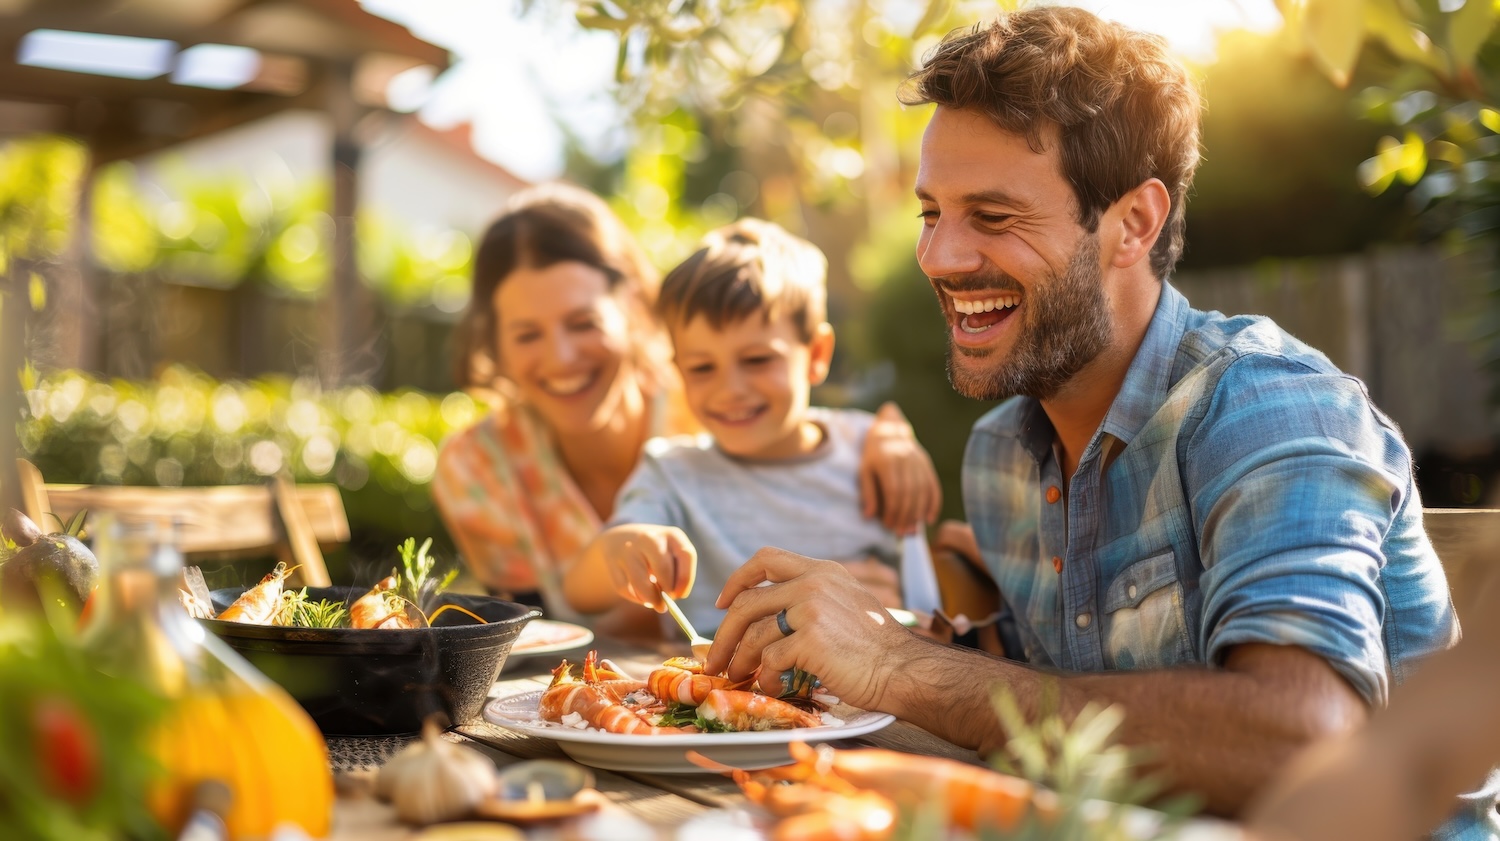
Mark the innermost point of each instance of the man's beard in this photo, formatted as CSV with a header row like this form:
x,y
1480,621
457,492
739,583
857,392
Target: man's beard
x,y
1065,326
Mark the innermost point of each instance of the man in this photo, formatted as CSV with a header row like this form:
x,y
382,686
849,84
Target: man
x,y
1196,517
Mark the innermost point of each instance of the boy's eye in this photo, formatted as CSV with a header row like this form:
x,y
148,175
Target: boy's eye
x,y
526,337
757,360
700,370
584,324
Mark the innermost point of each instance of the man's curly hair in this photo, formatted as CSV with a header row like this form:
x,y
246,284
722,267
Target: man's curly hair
x,y
1125,110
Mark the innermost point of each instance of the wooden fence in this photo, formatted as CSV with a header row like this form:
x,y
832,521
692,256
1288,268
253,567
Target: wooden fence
x,y
1403,320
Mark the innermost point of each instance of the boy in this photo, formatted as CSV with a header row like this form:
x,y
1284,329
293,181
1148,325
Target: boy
x,y
746,314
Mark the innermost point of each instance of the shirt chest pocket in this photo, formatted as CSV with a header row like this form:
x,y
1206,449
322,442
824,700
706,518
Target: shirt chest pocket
x,y
1143,613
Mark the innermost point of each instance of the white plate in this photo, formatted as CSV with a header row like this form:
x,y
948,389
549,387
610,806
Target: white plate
x,y
548,636
666,754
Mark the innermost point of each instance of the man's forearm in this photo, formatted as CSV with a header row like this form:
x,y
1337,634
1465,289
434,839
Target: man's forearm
x,y
1219,733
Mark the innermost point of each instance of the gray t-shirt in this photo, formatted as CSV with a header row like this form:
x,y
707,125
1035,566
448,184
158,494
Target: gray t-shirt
x,y
730,507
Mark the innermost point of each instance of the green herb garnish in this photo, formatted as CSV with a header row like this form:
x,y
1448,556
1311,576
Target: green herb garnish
x,y
684,715
416,569
298,611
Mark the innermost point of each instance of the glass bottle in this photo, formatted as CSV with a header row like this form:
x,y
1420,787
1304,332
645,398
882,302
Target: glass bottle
x,y
227,721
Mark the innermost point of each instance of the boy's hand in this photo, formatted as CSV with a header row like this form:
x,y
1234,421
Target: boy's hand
x,y
896,477
957,536
645,560
880,579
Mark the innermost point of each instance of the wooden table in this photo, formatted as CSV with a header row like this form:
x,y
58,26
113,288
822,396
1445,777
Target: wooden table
x,y
652,803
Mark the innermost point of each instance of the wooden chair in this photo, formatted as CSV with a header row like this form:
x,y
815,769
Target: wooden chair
x,y
293,522
1467,541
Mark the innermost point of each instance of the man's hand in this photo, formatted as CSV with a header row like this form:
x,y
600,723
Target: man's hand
x,y
896,477
645,560
840,631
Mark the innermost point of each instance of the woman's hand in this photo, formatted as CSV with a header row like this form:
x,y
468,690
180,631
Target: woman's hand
x,y
896,477
645,560
840,631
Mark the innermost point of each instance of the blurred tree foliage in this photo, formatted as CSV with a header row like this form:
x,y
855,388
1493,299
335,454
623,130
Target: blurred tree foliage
x,y
1435,71
219,231
1280,151
186,429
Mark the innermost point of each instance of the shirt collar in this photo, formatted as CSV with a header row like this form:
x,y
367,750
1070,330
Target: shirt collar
x,y
1149,377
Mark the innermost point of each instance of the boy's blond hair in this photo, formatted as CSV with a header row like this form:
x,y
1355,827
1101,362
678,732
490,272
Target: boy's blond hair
x,y
746,267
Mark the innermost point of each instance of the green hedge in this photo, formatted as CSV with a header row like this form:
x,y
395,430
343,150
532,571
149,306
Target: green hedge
x,y
187,429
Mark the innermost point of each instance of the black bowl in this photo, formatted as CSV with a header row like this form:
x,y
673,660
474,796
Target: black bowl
x,y
366,682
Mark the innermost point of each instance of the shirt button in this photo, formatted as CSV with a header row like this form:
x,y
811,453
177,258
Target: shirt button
x,y
1057,563
1053,495
1130,592
1082,620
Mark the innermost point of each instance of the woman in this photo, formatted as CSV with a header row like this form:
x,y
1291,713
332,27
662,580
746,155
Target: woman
x,y
560,325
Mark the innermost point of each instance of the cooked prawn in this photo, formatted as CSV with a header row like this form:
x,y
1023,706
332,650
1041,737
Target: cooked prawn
x,y
810,803
597,706
738,709
685,687
195,608
974,796
260,604
821,780
380,608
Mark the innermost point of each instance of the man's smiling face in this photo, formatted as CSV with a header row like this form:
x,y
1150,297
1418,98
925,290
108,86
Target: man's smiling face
x,y
1017,276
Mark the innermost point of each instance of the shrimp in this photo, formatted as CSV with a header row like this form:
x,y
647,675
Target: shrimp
x,y
380,608
670,683
614,683
974,796
823,780
195,608
598,707
260,604
810,803
738,709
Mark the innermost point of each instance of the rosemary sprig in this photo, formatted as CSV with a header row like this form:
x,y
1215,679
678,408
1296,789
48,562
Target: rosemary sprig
x,y
298,611
416,570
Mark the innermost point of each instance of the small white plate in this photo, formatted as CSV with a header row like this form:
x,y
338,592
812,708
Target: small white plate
x,y
548,636
666,754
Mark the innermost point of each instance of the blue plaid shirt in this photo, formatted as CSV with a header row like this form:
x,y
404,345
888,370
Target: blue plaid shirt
x,y
1241,489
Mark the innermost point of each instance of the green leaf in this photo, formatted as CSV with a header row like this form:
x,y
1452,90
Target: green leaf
x,y
1334,30
933,16
1386,22
38,291
1468,28
1413,158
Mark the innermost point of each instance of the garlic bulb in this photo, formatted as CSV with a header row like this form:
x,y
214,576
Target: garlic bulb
x,y
433,780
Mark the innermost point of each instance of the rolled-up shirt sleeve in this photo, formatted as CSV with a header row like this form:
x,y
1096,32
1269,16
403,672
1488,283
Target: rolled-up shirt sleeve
x,y
1291,530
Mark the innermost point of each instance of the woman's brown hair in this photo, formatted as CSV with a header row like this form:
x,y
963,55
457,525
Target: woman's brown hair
x,y
542,227
1125,110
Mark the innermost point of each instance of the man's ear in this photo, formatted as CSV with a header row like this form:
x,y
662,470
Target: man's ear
x,y
820,353
1138,217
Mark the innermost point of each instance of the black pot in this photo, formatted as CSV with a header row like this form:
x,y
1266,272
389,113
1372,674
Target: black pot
x,y
365,682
